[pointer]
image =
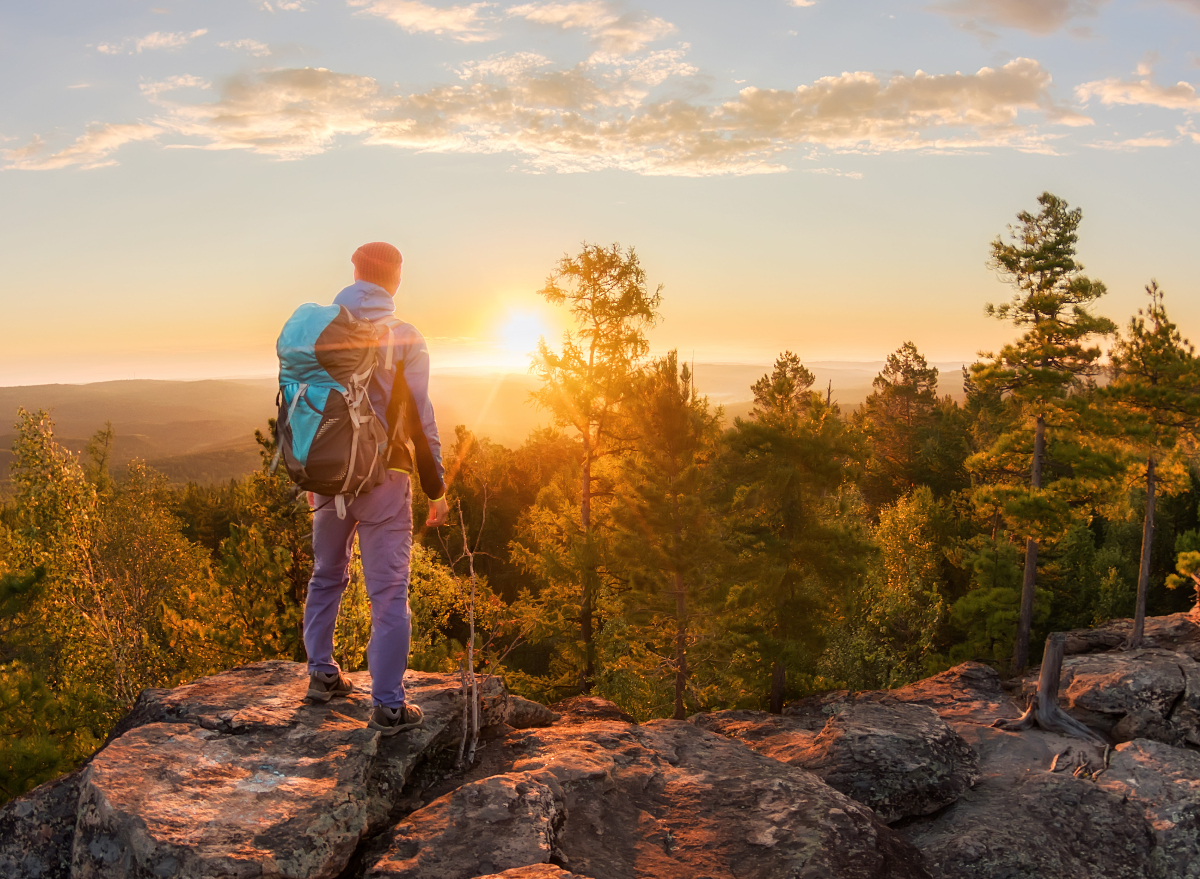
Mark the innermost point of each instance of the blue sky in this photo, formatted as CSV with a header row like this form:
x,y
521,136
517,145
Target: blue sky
x,y
825,177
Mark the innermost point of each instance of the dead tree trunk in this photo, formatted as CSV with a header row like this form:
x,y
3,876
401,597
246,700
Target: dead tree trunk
x,y
778,683
1139,614
1043,710
1029,578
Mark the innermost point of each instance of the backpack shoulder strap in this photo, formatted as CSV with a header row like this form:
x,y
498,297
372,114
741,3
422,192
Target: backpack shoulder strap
x,y
386,326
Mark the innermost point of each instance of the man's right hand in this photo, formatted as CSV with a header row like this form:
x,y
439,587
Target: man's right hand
x,y
439,513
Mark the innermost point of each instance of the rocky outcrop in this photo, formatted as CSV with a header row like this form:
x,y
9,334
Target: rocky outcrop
x,y
524,714
1045,825
899,759
234,776
37,831
665,799
1178,633
1165,783
1150,693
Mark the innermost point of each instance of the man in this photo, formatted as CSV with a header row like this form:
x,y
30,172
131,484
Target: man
x,y
381,517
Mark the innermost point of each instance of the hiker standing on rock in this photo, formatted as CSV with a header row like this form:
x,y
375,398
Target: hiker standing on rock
x,y
381,515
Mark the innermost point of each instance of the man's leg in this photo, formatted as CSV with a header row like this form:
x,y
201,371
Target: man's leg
x,y
332,542
385,541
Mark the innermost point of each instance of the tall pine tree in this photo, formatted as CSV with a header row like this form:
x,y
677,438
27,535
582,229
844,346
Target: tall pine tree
x,y
1053,356
1156,387
585,384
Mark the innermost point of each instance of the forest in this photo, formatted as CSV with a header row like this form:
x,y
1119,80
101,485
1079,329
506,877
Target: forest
x,y
646,548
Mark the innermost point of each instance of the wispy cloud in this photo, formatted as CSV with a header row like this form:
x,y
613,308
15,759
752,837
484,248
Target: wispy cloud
x,y
613,31
90,150
597,115
1133,144
1033,16
282,5
1141,91
253,47
467,24
803,3
834,172
156,40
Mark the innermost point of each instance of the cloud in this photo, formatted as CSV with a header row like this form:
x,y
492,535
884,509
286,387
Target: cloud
x,y
1033,16
90,150
1141,91
467,24
598,115
613,31
173,83
834,172
1134,143
159,40
156,40
254,47
283,5
803,3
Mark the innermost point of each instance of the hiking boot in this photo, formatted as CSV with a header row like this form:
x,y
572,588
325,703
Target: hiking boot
x,y
324,685
390,721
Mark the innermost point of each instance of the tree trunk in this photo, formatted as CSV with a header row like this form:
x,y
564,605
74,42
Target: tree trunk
x,y
587,596
681,669
778,680
1139,614
1043,710
1028,581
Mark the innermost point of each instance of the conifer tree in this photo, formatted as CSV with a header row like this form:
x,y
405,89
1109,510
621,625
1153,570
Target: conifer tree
x,y
667,544
1156,387
799,541
1052,357
585,384
916,439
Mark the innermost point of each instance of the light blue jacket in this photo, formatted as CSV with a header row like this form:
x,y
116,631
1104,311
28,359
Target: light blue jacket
x,y
368,301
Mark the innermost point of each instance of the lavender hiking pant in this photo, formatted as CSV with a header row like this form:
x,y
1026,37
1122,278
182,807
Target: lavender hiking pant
x,y
383,520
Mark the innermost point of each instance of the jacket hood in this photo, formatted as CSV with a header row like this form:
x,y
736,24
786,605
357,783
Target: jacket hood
x,y
366,301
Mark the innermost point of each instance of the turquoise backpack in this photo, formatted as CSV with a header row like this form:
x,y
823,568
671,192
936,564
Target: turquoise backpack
x,y
327,434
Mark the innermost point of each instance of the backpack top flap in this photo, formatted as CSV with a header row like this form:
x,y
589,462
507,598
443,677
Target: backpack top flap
x,y
325,345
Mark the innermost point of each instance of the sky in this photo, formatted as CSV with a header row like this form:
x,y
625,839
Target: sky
x,y
822,176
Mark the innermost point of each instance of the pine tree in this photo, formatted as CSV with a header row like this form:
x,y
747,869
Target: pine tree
x,y
585,384
794,516
667,544
916,438
1037,373
1156,388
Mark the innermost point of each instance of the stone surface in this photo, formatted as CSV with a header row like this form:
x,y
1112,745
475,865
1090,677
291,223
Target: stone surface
x,y
778,736
1047,826
534,871
524,714
1150,693
812,712
658,801
970,693
493,824
235,775
899,759
588,709
37,830
1165,782
1177,632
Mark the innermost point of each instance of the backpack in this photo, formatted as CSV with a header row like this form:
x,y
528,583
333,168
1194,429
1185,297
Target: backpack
x,y
327,434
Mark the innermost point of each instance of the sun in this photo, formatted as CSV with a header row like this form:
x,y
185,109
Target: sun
x,y
519,333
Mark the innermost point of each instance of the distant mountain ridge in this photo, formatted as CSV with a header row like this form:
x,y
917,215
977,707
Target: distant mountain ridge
x,y
203,431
